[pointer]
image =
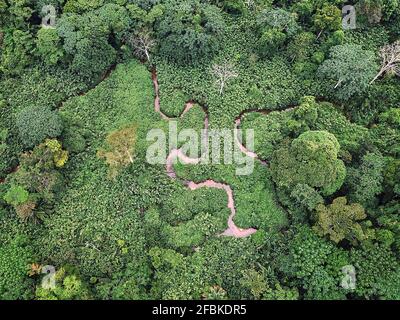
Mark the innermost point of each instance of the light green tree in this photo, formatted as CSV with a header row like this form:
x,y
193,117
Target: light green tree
x,y
48,45
119,150
349,70
339,221
328,18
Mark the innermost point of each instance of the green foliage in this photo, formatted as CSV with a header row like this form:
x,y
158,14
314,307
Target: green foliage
x,y
389,221
376,11
79,6
16,13
48,44
377,272
306,196
101,225
107,209
36,124
301,47
392,178
194,232
144,235
301,161
328,18
257,283
16,195
271,40
234,6
315,265
391,117
275,27
3,139
366,180
15,257
215,293
348,70
145,15
280,293
190,277
69,286
86,38
339,221
17,53
385,138
122,286
190,31
38,174
350,135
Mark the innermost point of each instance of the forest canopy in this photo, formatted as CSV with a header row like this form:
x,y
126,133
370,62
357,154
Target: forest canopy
x,y
85,215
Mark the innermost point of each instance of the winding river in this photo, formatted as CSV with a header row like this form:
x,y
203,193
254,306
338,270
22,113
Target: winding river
x,y
232,230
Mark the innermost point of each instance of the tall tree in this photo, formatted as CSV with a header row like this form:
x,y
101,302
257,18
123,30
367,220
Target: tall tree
x,y
38,174
315,264
190,30
365,181
119,150
142,44
328,18
275,27
48,46
339,221
349,69
223,72
310,159
36,124
17,53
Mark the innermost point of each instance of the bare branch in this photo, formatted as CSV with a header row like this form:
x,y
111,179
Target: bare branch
x,y
390,55
223,72
250,3
141,43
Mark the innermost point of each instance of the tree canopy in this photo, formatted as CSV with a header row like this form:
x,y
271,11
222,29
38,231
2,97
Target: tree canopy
x,y
291,191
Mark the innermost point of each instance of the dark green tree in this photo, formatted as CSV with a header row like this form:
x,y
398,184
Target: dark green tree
x,y
275,27
366,181
310,159
17,53
315,265
190,31
377,272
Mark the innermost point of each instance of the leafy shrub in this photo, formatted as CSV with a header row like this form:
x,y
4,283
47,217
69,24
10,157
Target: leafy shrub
x,y
15,257
36,124
16,195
